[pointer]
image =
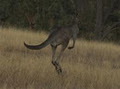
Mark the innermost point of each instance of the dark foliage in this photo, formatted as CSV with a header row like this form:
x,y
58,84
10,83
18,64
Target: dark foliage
x,y
47,14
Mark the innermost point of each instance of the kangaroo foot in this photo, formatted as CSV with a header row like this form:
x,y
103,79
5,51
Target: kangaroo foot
x,y
57,67
59,71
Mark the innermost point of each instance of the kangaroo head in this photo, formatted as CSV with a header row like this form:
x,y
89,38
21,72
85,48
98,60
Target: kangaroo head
x,y
75,20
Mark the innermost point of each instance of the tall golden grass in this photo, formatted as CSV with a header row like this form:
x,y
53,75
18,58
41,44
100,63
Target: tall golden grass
x,y
90,65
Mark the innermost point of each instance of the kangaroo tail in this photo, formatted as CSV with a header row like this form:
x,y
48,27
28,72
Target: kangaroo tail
x,y
37,47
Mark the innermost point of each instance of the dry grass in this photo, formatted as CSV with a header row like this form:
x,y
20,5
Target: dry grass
x,y
90,65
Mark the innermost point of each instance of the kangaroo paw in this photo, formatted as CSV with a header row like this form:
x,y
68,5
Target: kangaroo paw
x,y
70,47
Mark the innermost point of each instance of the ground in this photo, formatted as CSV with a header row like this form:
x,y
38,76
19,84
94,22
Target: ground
x,y
90,65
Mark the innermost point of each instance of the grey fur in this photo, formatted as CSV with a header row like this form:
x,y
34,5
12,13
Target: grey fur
x,y
60,36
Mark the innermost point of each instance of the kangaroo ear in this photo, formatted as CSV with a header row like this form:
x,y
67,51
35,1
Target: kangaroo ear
x,y
75,19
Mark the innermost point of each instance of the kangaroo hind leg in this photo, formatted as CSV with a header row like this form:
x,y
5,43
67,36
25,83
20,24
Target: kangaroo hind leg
x,y
53,55
63,47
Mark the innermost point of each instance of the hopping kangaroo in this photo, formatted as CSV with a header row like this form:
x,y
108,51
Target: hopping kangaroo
x,y
60,36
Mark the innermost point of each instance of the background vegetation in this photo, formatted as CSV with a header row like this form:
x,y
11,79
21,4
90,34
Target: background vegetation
x,y
90,65
99,19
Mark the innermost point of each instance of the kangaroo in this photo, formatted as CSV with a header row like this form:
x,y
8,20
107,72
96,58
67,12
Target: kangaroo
x,y
60,36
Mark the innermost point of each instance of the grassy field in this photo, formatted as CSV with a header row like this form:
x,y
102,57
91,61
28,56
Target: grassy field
x,y
90,65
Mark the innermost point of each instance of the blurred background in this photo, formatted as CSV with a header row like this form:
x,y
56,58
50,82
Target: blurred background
x,y
98,19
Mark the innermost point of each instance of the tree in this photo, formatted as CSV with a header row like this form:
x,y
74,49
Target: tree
x,y
102,19
99,20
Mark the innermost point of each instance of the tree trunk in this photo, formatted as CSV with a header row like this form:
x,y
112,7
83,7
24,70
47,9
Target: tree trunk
x,y
99,20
